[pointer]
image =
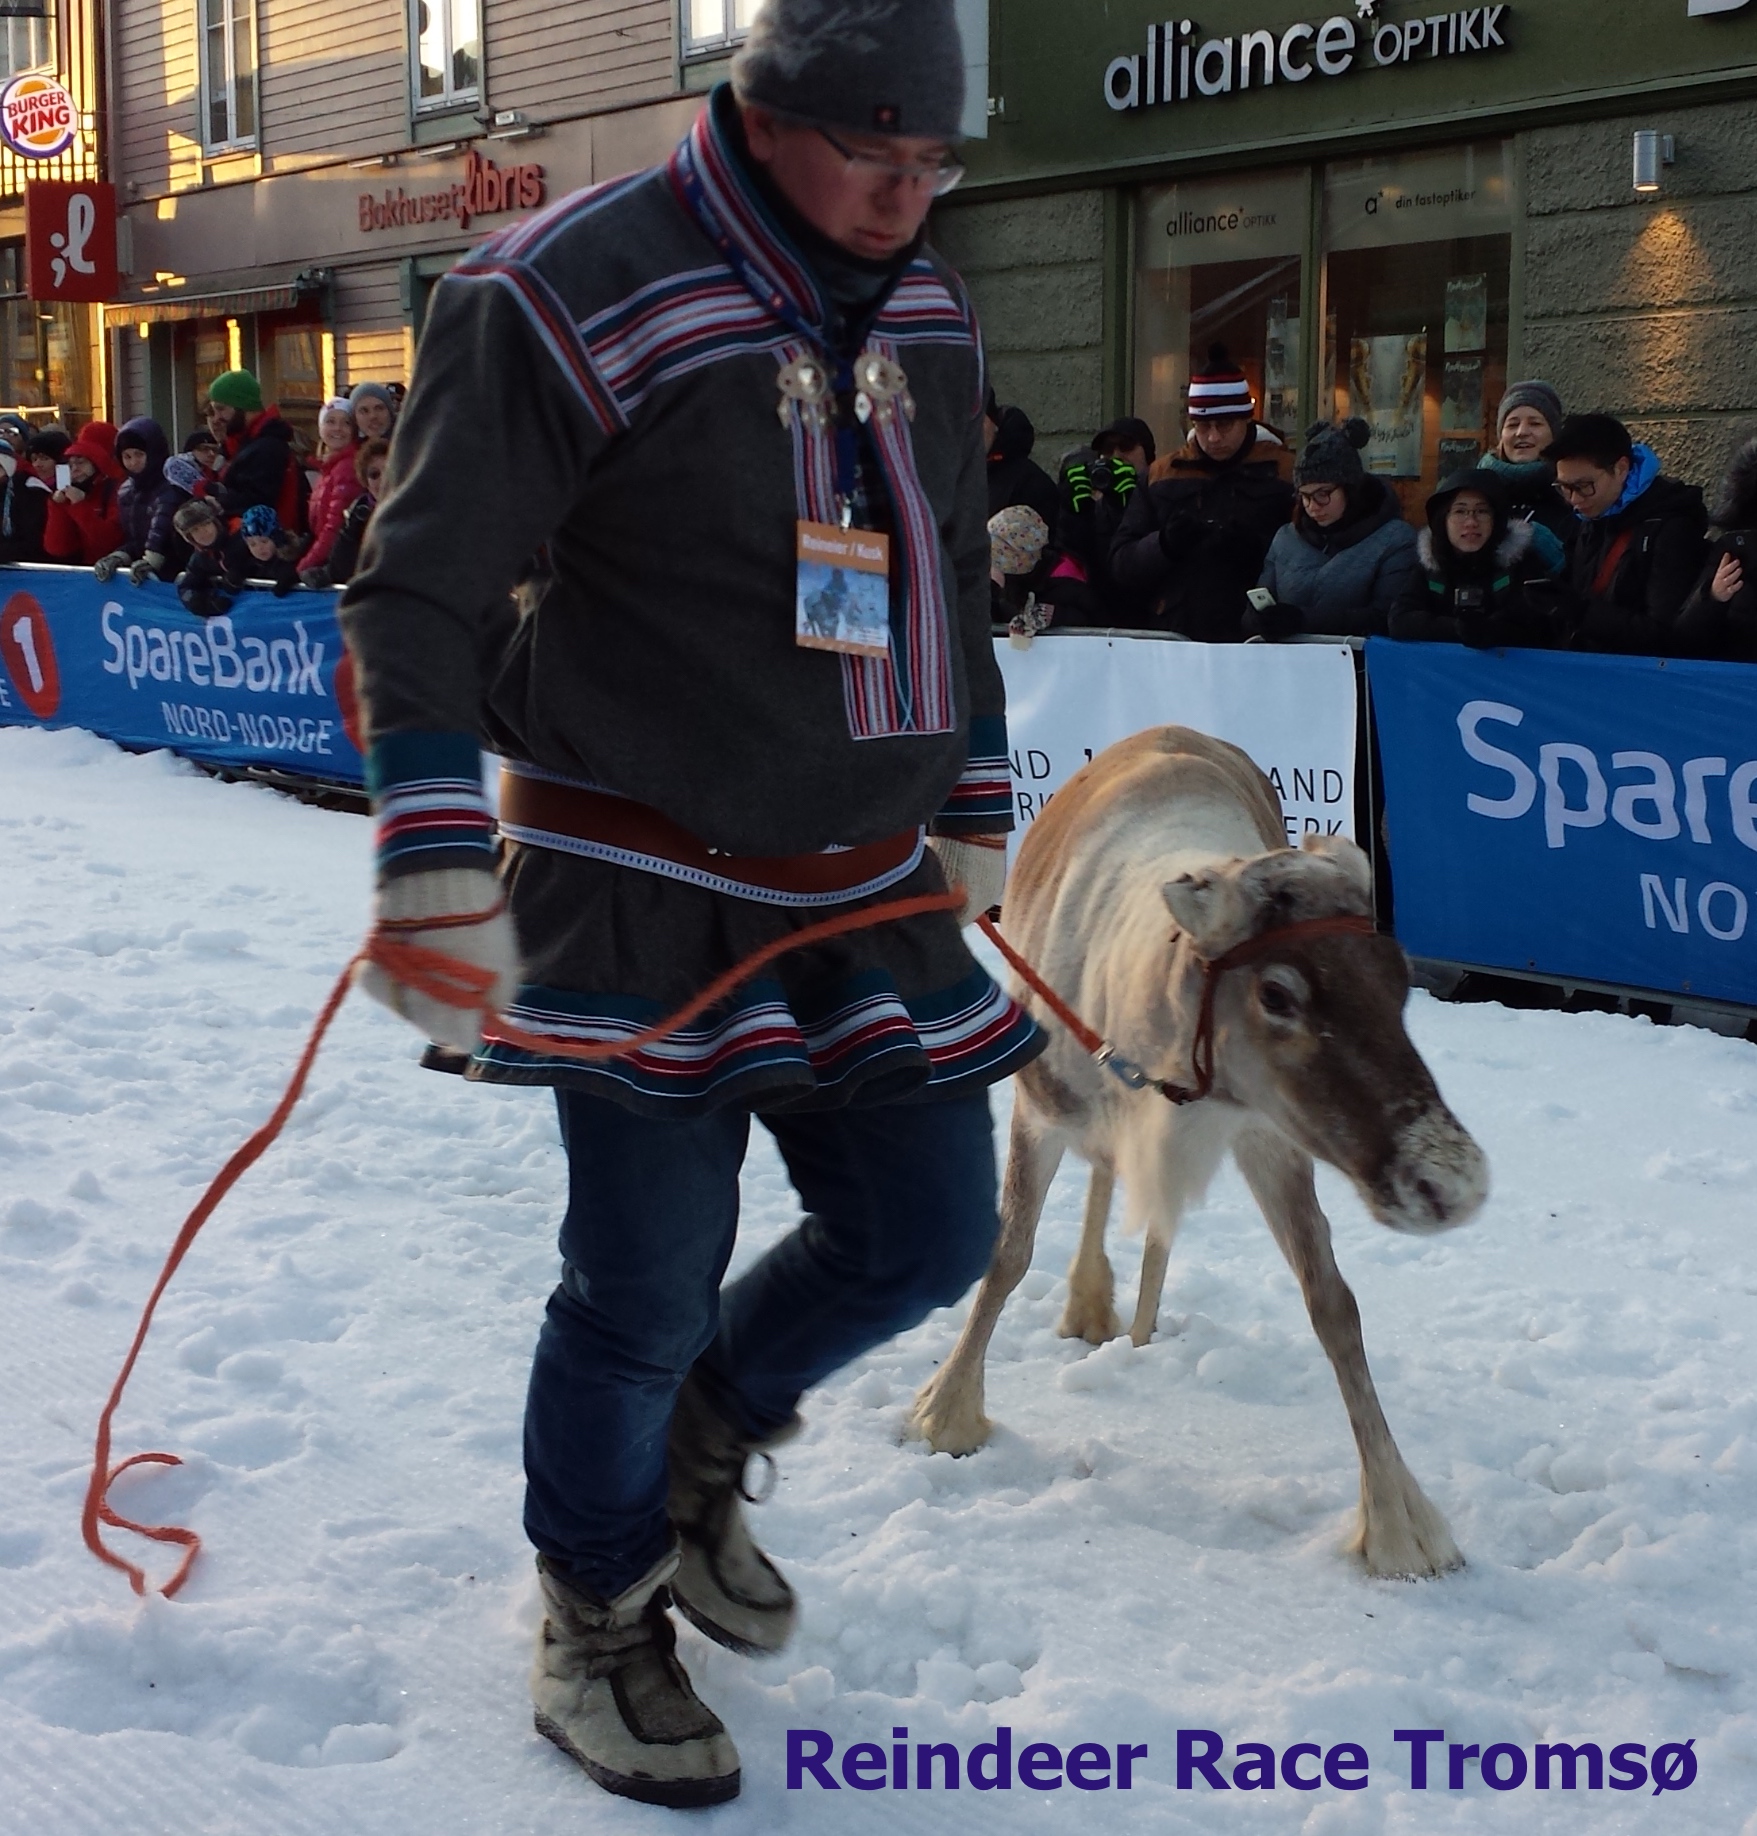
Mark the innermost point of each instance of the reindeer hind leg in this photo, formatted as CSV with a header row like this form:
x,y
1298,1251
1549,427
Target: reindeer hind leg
x,y
1090,1313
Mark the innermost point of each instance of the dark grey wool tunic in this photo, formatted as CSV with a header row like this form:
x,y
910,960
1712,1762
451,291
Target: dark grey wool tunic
x,y
602,380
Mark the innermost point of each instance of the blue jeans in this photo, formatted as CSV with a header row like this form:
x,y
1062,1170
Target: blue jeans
x,y
900,1218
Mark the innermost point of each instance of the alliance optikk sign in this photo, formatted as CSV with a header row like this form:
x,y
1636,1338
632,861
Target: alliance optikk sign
x,y
1179,65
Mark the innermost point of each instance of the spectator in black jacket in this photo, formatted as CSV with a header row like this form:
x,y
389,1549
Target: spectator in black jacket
x,y
204,585
166,554
260,467
1014,477
1097,483
24,509
141,451
1638,550
1191,546
1719,619
1476,563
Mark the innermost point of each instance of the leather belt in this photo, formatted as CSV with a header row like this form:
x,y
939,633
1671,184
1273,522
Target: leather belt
x,y
541,812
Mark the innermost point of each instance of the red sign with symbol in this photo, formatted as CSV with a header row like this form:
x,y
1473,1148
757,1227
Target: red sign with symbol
x,y
28,652
70,240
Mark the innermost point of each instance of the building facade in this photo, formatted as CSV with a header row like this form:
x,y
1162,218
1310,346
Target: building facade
x,y
295,175
1382,211
51,353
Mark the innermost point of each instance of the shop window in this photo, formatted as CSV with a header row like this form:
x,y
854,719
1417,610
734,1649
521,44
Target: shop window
x,y
447,37
27,37
715,25
1417,260
47,358
1220,261
228,74
290,352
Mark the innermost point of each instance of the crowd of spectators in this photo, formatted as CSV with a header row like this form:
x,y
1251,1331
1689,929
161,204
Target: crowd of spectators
x,y
246,502
1565,534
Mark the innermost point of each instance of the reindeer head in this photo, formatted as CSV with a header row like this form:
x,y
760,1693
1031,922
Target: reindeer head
x,y
1311,1037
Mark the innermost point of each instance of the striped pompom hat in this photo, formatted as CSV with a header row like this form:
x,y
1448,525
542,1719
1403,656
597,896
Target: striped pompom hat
x,y
1219,388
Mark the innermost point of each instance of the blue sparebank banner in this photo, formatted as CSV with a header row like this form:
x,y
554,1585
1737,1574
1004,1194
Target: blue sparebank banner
x,y
1573,815
256,687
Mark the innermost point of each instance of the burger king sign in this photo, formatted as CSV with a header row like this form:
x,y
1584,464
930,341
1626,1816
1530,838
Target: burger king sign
x,y
37,117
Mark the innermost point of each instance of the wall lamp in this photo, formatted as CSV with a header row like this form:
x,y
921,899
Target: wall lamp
x,y
1652,152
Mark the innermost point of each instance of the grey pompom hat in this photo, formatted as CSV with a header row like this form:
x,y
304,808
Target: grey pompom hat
x,y
870,66
1331,454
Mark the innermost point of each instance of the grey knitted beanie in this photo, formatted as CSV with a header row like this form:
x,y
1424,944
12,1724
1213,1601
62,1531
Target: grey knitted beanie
x,y
1331,455
870,66
1539,395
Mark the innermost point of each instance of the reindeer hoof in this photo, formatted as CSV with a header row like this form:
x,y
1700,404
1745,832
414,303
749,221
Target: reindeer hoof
x,y
948,1424
1405,1539
1094,1321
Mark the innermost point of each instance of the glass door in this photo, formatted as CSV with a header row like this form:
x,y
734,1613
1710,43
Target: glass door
x,y
1220,262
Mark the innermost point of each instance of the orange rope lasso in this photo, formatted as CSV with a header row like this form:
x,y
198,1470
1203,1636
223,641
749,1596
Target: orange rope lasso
x,y
457,984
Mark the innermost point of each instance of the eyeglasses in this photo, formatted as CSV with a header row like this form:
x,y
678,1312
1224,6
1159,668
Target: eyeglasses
x,y
939,177
1468,513
1584,487
1318,497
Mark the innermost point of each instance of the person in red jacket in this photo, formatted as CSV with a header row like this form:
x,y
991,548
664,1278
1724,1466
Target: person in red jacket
x,y
83,523
337,486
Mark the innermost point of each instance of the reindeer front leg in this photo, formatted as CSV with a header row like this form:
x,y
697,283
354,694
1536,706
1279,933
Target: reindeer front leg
x,y
948,1411
1090,1313
1401,1535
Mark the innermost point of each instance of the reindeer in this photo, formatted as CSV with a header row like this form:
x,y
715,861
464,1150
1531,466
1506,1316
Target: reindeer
x,y
1303,1052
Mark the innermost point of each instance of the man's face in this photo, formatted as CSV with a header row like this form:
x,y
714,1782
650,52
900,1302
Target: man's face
x,y
1590,488
868,193
1470,521
1128,455
133,460
1222,436
223,421
372,418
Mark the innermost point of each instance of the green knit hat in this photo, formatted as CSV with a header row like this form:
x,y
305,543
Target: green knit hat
x,y
236,389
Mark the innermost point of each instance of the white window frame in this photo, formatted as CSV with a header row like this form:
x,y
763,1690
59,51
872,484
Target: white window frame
x,y
716,42
449,100
233,141
39,26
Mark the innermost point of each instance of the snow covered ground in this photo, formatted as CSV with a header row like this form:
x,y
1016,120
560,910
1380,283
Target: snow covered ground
x,y
1149,1544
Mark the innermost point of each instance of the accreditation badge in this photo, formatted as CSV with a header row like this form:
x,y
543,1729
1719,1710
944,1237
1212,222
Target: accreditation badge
x,y
843,600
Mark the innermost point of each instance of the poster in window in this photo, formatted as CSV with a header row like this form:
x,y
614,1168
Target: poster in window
x,y
1459,456
1467,312
1387,387
1281,366
1461,400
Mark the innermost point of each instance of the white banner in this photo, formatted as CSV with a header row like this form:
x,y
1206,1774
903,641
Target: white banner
x,y
1290,706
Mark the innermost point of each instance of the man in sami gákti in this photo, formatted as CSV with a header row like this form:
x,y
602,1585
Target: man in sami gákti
x,y
689,383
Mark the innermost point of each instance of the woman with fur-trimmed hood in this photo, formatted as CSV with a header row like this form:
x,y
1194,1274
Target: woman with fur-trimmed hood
x,y
1476,566
1719,619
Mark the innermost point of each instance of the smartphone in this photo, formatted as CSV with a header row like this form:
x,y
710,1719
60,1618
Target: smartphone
x,y
1260,597
63,477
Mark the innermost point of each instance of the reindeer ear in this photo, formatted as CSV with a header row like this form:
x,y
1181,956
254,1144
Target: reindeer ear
x,y
1349,856
1196,902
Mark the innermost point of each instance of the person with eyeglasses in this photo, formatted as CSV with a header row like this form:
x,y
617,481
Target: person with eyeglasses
x,y
1478,561
684,387
1638,547
1346,558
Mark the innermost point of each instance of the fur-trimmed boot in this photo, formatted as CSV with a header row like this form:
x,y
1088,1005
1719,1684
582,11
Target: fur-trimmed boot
x,y
725,1586
610,1692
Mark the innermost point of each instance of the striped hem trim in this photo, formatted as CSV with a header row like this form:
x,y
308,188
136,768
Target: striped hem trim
x,y
970,1034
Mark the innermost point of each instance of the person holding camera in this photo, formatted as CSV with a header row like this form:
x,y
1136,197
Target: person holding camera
x,y
1719,619
1097,482
1191,546
1477,560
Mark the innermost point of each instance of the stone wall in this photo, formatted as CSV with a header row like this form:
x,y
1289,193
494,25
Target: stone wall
x,y
1035,267
1646,308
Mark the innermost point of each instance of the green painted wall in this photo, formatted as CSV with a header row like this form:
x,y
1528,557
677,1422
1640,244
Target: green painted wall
x,y
1592,56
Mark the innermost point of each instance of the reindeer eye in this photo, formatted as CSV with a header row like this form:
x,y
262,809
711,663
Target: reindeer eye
x,y
1276,1000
